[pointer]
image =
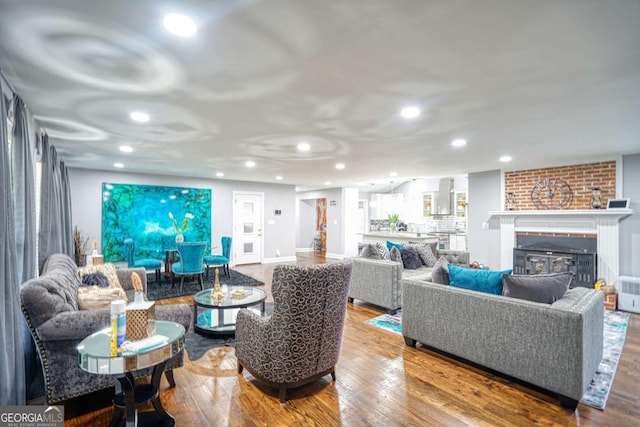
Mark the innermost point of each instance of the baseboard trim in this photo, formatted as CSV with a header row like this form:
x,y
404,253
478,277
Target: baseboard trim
x,y
279,259
304,249
334,256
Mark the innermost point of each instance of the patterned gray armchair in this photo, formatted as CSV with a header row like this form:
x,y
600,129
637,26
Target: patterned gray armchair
x,y
50,307
300,342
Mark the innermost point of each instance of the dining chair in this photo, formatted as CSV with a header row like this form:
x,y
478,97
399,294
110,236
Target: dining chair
x,y
149,264
191,262
300,342
223,260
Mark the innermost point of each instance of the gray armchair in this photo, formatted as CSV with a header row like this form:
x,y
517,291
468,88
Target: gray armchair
x,y
50,307
300,342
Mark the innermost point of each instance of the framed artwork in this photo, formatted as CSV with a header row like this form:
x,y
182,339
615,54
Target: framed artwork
x,y
141,213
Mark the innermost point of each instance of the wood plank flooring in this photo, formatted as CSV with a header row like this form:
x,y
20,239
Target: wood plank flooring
x,y
380,382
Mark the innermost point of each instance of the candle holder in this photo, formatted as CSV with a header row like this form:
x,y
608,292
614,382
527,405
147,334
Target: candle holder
x,y
596,198
511,201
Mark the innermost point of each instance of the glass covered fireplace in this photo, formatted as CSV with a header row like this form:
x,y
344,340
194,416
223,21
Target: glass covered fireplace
x,y
540,253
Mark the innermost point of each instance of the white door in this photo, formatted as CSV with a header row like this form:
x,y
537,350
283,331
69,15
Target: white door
x,y
247,227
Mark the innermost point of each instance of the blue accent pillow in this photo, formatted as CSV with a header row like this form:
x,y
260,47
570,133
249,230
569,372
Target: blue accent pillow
x,y
393,245
477,280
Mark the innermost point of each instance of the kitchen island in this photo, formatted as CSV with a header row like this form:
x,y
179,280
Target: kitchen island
x,y
399,237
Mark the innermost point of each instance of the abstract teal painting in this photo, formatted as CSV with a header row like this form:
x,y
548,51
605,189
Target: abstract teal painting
x,y
143,213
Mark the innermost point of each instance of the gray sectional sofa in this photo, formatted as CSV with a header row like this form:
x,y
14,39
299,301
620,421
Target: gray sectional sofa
x,y
379,282
556,347
50,307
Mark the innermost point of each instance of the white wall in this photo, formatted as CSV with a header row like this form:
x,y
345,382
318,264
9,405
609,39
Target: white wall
x,y
351,219
484,196
307,222
630,226
86,195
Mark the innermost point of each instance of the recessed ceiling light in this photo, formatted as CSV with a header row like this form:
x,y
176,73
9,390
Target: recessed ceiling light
x,y
393,174
118,165
249,163
180,25
340,166
303,146
278,178
126,149
139,116
505,158
327,183
458,142
410,112
219,174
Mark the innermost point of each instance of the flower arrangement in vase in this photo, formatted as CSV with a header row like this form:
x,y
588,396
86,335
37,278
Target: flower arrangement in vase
x,y
393,222
182,228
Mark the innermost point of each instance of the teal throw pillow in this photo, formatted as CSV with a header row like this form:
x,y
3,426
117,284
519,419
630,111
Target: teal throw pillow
x,y
477,280
393,245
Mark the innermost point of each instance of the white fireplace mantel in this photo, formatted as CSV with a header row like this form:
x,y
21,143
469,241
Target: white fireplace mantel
x,y
603,223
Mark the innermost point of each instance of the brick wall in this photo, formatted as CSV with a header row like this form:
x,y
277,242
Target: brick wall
x,y
581,178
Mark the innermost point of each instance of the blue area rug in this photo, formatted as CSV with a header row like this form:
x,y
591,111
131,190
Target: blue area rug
x,y
615,332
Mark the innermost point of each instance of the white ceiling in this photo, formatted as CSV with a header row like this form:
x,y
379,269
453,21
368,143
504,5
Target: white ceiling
x,y
547,82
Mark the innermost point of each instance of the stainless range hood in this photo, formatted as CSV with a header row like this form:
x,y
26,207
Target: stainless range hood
x,y
443,203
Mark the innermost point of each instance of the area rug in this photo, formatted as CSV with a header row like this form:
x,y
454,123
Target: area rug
x,y
615,332
197,345
164,290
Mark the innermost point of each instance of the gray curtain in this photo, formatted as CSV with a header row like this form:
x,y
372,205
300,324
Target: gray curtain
x,y
12,370
24,182
56,235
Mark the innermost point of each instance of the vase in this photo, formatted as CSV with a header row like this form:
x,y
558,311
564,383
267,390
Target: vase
x,y
179,238
393,227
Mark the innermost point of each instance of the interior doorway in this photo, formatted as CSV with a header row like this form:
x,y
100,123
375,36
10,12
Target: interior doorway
x,y
248,214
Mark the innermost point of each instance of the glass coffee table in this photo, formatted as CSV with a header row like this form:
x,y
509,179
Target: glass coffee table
x,y
95,357
213,317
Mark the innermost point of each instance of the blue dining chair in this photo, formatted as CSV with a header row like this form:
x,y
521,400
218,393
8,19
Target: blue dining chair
x,y
223,260
191,262
148,264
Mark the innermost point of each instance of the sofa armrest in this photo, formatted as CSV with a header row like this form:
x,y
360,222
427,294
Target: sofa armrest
x,y
73,325
377,282
77,325
454,257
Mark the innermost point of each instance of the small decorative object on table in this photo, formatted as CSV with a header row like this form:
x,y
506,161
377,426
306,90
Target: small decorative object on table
x,y
183,227
393,222
216,293
141,314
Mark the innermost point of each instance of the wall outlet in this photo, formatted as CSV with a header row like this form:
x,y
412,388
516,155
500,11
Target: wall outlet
x,y
485,225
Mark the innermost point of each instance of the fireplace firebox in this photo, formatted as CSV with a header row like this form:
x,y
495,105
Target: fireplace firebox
x,y
582,265
544,253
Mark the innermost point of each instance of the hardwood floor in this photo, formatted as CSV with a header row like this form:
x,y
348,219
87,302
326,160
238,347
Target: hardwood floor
x,y
380,382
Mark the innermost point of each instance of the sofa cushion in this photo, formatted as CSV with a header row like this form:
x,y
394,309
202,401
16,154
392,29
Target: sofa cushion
x,y
369,251
97,298
395,255
440,272
477,280
545,288
95,279
426,252
107,269
393,244
383,251
410,257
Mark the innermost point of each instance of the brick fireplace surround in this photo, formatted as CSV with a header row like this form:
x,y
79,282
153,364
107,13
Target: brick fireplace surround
x,y
579,218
